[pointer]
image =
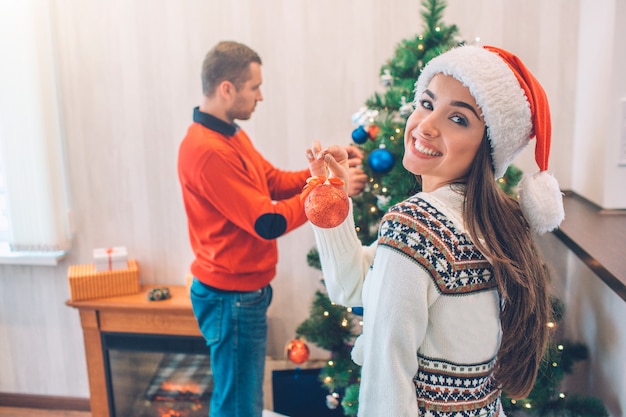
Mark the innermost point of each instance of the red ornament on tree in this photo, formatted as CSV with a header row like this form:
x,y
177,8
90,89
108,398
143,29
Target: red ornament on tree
x,y
297,351
326,204
373,131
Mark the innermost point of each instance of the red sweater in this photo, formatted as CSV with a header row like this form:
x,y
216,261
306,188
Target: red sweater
x,y
237,204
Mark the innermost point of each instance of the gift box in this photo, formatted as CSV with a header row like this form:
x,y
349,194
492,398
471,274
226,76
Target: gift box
x,y
110,259
86,283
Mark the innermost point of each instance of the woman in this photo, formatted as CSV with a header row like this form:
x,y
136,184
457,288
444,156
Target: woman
x,y
455,296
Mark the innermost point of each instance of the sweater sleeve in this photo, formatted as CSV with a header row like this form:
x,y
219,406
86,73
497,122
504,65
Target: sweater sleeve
x,y
241,195
395,293
284,184
345,261
395,300
395,322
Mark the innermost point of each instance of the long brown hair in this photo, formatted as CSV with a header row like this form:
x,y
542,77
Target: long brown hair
x,y
522,280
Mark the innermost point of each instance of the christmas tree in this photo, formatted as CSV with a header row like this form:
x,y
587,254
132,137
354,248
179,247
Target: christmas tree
x,y
380,123
379,133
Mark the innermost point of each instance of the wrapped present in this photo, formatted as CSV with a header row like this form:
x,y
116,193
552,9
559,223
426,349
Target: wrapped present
x,y
110,259
86,283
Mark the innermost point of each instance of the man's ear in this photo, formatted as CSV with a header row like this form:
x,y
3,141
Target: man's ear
x,y
226,89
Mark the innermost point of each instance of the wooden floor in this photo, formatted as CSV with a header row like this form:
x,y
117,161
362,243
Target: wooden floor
x,y
270,365
33,412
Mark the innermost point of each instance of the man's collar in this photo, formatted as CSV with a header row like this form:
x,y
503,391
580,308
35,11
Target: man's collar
x,y
211,122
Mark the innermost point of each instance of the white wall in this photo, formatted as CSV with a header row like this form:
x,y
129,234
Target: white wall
x,y
615,183
128,74
601,64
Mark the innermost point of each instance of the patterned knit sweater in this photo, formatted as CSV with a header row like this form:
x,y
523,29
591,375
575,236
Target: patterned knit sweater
x,y
431,326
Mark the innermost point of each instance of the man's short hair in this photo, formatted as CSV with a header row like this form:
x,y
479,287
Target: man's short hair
x,y
227,61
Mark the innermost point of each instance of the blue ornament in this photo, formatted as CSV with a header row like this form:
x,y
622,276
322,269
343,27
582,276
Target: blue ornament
x,y
360,135
357,310
381,161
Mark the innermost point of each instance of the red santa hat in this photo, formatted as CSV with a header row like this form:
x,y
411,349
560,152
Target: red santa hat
x,y
515,109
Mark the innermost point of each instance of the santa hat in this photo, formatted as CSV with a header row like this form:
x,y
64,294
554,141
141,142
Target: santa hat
x,y
515,109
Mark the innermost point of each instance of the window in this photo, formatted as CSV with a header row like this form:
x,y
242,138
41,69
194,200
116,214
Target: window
x,y
4,207
33,192
33,229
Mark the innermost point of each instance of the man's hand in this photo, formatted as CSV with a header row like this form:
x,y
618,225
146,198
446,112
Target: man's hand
x,y
358,177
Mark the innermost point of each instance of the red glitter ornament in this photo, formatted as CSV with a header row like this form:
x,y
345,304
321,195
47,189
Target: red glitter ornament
x,y
326,204
297,351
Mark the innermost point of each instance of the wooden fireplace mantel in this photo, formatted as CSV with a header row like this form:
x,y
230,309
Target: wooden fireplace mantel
x,y
128,314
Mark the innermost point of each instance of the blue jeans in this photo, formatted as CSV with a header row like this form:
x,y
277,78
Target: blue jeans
x,y
234,325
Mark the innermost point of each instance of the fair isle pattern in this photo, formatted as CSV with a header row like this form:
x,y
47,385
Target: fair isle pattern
x,y
420,231
445,389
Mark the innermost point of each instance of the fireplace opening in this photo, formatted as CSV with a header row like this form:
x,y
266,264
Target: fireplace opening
x,y
157,375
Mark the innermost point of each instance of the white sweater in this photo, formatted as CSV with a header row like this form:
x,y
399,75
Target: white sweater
x,y
431,326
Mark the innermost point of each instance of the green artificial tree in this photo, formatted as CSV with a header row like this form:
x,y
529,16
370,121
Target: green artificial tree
x,y
379,133
332,327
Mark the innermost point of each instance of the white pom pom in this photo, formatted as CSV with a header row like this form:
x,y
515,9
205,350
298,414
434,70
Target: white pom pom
x,y
541,201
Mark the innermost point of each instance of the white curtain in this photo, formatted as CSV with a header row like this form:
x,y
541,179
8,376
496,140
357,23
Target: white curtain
x,y
30,132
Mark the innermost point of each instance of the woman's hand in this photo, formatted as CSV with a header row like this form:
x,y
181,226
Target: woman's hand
x,y
317,166
330,162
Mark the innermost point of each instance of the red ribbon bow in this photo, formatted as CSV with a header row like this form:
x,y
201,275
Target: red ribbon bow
x,y
313,182
109,251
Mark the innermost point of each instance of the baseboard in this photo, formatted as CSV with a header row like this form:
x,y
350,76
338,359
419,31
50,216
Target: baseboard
x,y
44,402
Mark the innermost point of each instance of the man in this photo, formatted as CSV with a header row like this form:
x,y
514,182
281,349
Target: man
x,y
237,204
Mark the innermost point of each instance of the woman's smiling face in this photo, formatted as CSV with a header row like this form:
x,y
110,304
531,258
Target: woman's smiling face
x,y
443,134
